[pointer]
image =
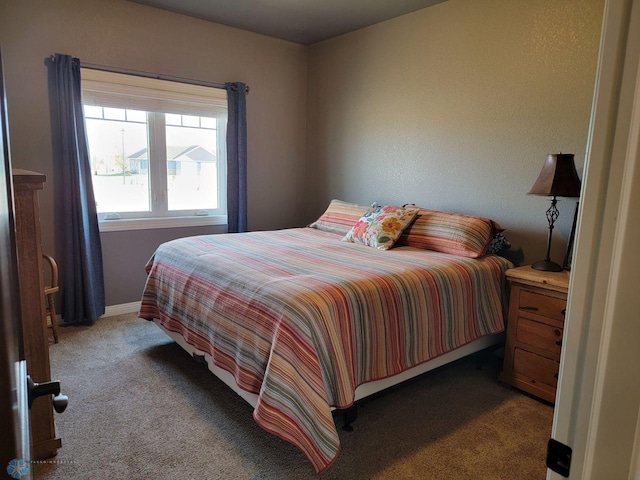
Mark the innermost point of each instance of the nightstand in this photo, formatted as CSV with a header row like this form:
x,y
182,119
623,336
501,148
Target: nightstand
x,y
535,326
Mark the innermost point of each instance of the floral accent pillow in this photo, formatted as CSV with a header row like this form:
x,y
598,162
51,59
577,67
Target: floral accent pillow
x,y
380,227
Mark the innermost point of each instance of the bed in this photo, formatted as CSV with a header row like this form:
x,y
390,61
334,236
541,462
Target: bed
x,y
299,322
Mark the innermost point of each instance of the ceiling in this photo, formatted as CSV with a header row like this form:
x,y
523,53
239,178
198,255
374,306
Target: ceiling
x,y
300,21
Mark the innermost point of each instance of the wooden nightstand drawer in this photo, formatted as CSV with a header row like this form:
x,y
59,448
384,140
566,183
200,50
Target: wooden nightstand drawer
x,y
534,330
536,368
540,335
540,304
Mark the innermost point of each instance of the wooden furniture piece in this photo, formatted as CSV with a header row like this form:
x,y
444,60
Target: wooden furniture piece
x,y
534,331
50,293
44,438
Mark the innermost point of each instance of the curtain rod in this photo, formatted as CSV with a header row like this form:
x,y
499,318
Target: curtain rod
x,y
157,76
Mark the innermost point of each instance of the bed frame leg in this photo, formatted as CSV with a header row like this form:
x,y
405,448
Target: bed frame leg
x,y
199,358
481,359
350,415
483,356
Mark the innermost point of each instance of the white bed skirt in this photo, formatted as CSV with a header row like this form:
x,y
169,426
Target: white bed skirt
x,y
363,390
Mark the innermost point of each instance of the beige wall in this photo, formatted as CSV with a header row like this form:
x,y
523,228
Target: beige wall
x,y
455,107
131,36
452,107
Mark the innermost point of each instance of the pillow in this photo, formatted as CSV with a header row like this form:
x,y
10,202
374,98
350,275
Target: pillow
x,y
339,217
456,234
380,227
498,243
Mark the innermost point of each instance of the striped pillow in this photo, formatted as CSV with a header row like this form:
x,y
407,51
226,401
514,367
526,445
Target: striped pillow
x,y
456,234
339,217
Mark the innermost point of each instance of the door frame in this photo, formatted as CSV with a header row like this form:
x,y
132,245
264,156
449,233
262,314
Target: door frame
x,y
598,403
14,413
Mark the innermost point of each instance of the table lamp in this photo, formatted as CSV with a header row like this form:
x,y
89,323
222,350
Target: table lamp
x,y
558,178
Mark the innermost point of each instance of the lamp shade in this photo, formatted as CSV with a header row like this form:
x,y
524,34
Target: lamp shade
x,y
558,177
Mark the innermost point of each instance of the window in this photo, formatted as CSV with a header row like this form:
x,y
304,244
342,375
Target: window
x,y
157,150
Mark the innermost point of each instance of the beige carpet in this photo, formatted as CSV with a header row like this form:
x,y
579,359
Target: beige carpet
x,y
142,408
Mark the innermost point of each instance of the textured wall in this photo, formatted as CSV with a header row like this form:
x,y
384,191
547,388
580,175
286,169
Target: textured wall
x,y
455,107
131,36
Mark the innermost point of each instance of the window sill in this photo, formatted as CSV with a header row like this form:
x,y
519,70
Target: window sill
x,y
166,222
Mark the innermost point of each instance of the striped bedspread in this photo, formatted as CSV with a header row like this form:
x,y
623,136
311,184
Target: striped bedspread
x,y
302,319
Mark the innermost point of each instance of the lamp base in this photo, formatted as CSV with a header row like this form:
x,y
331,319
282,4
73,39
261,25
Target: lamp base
x,y
547,266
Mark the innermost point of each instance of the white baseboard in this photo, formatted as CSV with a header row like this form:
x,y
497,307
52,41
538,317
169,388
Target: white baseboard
x,y
112,310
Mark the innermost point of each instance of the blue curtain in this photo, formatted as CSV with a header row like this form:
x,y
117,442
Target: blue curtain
x,y
82,280
237,157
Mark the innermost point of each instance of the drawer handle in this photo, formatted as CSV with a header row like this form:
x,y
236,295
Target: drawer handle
x,y
555,375
559,343
557,332
564,312
531,309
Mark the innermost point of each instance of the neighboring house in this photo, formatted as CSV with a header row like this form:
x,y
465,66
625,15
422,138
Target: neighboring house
x,y
188,158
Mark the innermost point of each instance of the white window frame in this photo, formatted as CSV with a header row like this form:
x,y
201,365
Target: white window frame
x,y
155,96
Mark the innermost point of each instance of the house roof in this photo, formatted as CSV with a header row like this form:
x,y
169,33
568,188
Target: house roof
x,y
192,153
